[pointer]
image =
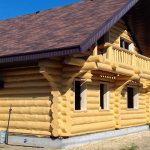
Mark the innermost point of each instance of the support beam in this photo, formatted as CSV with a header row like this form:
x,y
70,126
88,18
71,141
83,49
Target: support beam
x,y
123,83
114,69
74,61
50,63
145,76
98,58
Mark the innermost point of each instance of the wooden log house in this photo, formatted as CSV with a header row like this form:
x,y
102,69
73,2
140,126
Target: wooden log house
x,y
77,69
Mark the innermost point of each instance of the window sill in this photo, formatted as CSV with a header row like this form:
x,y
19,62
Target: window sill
x,y
132,109
79,111
104,110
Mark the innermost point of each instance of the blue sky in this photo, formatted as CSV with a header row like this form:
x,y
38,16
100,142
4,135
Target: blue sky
x,y
13,8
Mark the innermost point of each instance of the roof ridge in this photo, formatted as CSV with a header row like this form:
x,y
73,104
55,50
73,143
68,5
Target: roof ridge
x,y
107,24
40,11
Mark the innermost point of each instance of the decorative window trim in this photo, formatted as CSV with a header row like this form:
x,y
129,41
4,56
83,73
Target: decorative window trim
x,y
131,44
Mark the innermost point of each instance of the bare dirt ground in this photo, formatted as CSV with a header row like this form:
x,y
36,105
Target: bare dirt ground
x,y
141,139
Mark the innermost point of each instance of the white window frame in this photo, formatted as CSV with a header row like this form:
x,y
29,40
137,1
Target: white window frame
x,y
131,44
135,98
106,96
83,96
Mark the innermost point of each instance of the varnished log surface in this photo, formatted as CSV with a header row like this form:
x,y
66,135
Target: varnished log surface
x,y
28,94
118,115
42,97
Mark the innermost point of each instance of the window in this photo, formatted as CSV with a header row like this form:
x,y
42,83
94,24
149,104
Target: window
x,y
132,97
125,43
1,84
102,41
80,94
104,96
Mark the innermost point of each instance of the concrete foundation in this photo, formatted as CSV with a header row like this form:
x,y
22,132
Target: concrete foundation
x,y
2,136
61,142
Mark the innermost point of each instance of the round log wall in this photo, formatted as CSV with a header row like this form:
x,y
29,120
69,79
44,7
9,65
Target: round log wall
x,y
93,119
118,116
137,116
129,117
27,92
42,98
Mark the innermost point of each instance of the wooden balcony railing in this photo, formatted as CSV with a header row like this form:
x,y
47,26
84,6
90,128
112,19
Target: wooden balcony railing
x,y
123,56
142,62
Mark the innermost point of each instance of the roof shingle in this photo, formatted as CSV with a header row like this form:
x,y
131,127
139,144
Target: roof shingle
x,y
60,27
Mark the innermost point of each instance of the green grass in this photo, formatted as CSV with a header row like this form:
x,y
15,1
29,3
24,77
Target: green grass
x,y
132,147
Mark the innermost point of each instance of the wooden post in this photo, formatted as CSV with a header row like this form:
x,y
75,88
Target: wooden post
x,y
117,109
110,55
95,51
133,60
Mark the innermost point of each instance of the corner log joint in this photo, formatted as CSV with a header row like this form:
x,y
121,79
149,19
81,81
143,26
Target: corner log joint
x,y
56,100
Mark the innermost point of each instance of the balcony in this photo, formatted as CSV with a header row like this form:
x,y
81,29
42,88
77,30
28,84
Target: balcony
x,y
123,61
123,56
113,59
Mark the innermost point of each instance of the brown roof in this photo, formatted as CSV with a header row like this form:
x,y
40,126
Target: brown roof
x,y
65,26
61,30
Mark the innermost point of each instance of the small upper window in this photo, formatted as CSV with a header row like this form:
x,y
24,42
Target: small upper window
x,y
80,95
1,84
102,41
132,97
104,96
125,43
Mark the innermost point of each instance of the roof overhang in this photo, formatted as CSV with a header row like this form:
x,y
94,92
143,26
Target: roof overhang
x,y
39,55
144,24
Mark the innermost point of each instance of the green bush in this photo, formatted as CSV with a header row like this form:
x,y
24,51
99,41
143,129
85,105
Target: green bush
x,y
132,147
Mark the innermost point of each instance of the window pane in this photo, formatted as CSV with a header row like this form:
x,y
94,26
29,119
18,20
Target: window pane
x,y
77,95
102,96
124,44
130,97
80,95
